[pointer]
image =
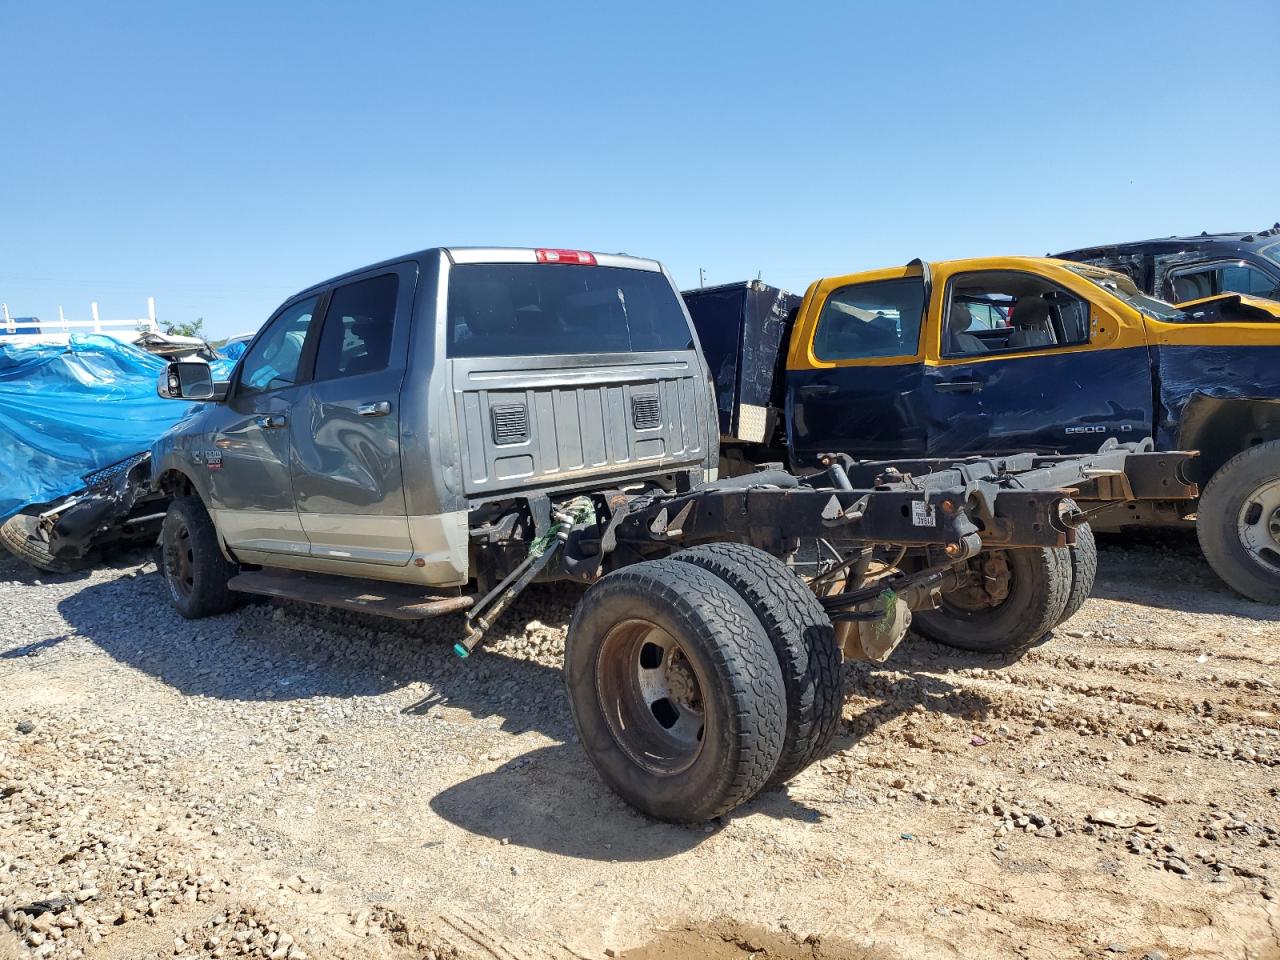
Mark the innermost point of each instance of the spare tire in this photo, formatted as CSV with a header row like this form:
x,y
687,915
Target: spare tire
x,y
21,536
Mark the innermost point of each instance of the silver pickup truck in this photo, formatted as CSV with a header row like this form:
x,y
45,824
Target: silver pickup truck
x,y
378,414
428,435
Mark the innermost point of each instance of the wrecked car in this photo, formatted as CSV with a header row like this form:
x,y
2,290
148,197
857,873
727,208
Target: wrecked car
x,y
1182,269
989,356
77,420
428,435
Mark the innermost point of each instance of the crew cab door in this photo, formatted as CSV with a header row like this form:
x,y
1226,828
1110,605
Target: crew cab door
x,y
249,448
1058,375
345,425
855,369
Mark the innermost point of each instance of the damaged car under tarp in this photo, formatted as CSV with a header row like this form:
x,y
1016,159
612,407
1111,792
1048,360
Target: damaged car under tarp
x,y
76,422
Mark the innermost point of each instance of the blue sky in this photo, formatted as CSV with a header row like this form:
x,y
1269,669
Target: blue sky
x,y
222,156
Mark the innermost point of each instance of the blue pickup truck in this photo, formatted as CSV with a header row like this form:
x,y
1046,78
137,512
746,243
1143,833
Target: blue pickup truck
x,y
995,355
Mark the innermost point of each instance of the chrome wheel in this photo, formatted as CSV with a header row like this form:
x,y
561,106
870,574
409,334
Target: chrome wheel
x,y
1258,525
651,695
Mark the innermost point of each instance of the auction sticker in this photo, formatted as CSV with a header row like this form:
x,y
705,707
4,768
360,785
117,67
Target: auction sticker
x,y
922,514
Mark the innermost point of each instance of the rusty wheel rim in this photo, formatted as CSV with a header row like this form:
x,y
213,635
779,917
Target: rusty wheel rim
x,y
651,695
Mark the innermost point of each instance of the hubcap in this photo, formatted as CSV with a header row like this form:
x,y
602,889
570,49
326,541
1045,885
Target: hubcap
x,y
1258,525
651,696
179,558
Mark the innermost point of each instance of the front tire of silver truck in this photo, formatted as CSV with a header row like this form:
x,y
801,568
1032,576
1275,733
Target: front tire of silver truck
x,y
675,690
1007,601
1239,522
194,569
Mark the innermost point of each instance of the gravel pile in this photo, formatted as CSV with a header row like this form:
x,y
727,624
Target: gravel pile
x,y
75,867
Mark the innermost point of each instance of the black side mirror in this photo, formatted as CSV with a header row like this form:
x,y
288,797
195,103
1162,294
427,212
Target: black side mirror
x,y
187,380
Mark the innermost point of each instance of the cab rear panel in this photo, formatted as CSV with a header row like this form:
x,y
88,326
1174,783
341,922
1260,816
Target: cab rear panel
x,y
570,373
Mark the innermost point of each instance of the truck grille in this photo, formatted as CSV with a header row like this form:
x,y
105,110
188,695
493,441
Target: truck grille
x,y
646,412
103,477
510,424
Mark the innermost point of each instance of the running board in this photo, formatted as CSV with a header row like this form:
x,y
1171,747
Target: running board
x,y
397,600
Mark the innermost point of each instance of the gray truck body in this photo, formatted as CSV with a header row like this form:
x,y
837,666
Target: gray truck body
x,y
376,471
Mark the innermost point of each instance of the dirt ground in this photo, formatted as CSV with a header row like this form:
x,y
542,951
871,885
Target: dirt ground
x,y
287,782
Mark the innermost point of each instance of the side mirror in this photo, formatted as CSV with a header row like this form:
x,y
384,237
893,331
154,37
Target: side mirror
x,y
187,380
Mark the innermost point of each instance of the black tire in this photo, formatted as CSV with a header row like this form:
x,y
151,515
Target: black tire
x,y
803,641
721,658
20,536
1040,582
1242,485
194,569
1084,570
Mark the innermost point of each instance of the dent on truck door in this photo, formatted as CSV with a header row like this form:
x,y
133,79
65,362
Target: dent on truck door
x,y
346,427
854,386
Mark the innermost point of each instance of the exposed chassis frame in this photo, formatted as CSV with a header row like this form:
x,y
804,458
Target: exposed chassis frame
x,y
944,511
960,507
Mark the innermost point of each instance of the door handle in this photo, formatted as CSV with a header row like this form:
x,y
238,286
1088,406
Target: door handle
x,y
378,408
958,386
271,421
818,390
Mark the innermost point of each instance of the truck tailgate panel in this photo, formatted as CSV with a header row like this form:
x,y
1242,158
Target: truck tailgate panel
x,y
529,421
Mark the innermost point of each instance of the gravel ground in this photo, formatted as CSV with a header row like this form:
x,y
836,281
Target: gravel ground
x,y
286,782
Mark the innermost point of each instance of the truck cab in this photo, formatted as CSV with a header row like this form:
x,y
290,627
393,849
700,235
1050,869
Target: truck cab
x,y
1000,354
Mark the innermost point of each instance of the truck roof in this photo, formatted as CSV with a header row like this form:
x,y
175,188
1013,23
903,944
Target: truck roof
x,y
490,255
1219,242
1005,262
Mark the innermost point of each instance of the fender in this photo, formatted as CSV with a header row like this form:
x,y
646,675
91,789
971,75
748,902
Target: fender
x,y
1221,427
171,473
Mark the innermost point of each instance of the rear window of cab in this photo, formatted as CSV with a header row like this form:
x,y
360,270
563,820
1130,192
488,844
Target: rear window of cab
x,y
531,309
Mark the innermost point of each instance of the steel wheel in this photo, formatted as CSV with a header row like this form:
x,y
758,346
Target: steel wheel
x,y
1258,525
652,697
179,558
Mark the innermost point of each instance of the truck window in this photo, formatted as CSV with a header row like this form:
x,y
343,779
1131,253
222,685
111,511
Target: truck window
x,y
530,309
356,336
1209,280
869,320
272,362
1034,314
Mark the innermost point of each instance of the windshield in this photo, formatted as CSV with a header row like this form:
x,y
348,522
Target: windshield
x,y
1272,252
530,309
1117,284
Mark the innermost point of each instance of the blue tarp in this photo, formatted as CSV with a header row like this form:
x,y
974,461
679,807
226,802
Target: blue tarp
x,y
69,409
